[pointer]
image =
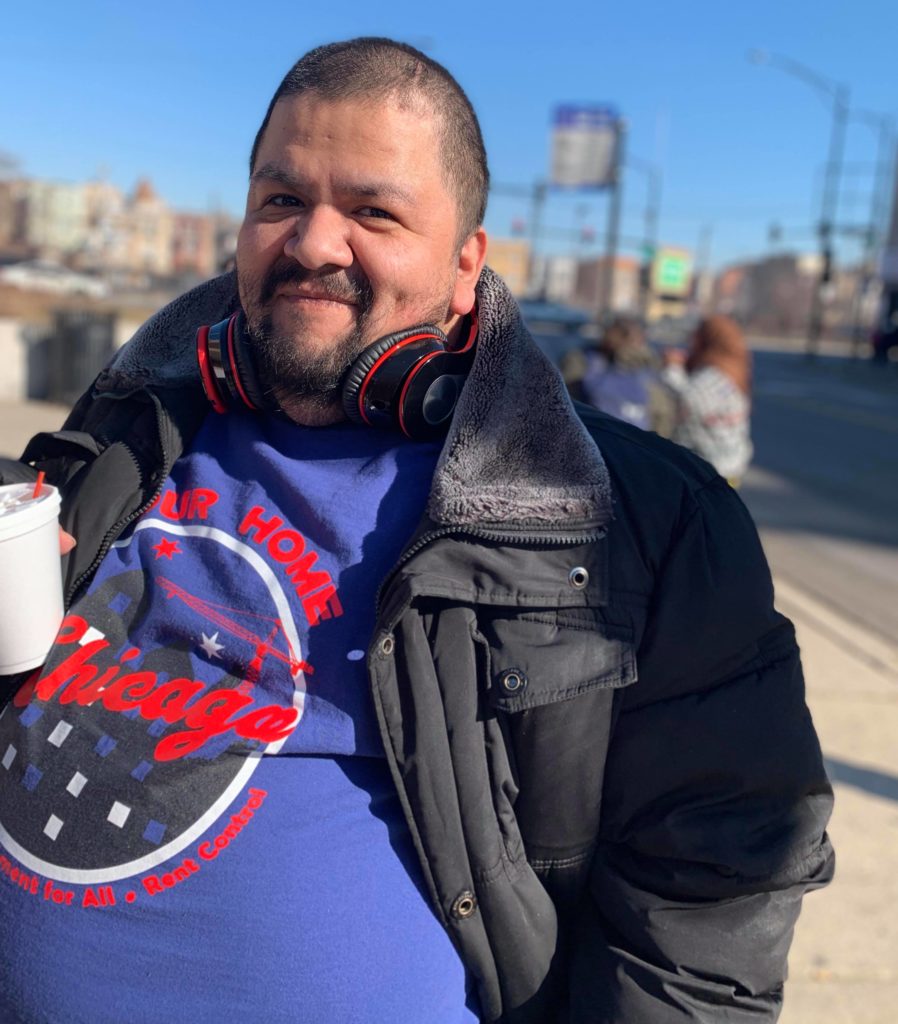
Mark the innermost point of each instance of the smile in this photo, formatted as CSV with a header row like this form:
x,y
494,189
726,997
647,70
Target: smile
x,y
310,297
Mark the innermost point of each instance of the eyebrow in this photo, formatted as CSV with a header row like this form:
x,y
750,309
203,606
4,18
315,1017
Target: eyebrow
x,y
358,190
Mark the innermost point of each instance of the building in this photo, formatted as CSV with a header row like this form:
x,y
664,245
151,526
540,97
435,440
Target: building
x,y
591,284
11,213
510,258
772,295
53,217
106,244
193,245
149,228
554,278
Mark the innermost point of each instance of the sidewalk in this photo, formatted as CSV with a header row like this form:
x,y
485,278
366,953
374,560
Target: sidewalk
x,y
844,961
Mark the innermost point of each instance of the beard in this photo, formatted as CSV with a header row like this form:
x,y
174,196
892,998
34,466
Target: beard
x,y
288,373
305,383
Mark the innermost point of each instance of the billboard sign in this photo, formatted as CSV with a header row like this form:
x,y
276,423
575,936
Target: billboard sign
x,y
585,146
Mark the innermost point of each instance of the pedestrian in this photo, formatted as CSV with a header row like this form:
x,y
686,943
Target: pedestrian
x,y
712,384
392,686
885,335
621,376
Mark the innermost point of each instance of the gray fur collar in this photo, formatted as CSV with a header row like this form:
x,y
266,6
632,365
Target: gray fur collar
x,y
516,453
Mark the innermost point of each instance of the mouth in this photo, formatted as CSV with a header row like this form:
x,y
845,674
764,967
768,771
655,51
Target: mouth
x,y
301,296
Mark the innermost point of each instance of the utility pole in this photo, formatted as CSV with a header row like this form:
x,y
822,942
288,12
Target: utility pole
x,y
837,96
702,264
537,205
828,212
650,226
876,228
612,232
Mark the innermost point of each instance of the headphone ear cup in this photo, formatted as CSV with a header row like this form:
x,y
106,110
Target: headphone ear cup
x,y
389,358
356,375
243,365
226,365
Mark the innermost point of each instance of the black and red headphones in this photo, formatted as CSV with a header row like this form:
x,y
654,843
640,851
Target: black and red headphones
x,y
410,380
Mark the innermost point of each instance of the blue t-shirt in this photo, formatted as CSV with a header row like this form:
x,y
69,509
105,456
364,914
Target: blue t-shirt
x,y
197,822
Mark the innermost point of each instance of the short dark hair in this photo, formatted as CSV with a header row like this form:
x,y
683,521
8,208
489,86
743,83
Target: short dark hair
x,y
379,68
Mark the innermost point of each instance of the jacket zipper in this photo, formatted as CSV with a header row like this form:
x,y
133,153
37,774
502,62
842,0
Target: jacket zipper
x,y
511,536
116,529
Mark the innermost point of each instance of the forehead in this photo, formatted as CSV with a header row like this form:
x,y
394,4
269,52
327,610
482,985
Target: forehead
x,y
362,133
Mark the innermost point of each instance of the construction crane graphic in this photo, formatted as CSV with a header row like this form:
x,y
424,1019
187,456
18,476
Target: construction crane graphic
x,y
262,648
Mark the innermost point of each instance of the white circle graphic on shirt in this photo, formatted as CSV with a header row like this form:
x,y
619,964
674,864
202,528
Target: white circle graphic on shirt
x,y
62,807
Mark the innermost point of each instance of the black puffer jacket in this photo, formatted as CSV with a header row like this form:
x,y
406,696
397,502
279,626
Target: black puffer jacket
x,y
594,717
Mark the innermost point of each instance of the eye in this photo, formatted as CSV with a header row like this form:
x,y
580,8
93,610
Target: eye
x,y
375,212
282,200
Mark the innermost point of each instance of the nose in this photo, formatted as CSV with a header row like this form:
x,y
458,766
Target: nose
x,y
321,239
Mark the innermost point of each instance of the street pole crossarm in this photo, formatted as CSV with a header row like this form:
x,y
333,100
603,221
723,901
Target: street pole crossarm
x,y
874,117
835,91
639,164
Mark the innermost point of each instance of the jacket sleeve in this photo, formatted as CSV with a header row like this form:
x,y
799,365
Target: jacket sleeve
x,y
14,472
715,797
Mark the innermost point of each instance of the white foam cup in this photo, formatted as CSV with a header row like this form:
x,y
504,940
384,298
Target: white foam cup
x,y
30,575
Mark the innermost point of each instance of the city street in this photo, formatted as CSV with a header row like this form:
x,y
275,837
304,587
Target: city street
x,y
824,492
823,487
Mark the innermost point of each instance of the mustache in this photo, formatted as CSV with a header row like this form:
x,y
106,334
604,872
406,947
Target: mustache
x,y
337,284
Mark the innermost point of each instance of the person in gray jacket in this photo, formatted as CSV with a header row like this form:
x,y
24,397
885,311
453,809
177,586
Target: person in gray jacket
x,y
486,715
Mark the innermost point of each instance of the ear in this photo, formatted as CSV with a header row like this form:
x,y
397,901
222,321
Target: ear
x,y
467,273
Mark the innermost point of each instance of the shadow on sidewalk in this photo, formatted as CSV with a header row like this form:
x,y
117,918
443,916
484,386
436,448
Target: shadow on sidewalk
x,y
871,781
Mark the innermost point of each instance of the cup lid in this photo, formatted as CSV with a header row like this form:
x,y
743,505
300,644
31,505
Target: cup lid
x,y
21,509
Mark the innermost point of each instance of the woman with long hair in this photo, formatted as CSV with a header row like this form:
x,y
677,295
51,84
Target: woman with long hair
x,y
712,384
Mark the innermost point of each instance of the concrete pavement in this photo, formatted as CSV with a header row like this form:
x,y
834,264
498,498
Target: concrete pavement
x,y
844,961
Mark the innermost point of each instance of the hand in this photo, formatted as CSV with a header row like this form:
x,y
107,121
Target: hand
x,y
66,542
674,357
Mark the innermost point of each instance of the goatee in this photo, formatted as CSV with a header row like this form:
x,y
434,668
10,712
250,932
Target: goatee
x,y
286,370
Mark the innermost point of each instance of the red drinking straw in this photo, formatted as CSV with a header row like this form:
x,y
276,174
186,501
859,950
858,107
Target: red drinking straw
x,y
38,484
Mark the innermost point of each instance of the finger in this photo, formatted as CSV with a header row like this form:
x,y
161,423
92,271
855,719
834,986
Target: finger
x,y
66,542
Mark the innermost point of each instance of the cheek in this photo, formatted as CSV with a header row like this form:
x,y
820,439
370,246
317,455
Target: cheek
x,y
404,275
258,245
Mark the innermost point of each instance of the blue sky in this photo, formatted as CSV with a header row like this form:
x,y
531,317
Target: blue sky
x,y
175,91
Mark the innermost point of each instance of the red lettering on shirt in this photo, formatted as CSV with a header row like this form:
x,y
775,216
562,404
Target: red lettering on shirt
x,y
176,700
193,503
314,587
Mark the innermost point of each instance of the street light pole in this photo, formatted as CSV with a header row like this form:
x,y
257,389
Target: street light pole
x,y
606,299
537,271
876,228
828,212
838,96
650,225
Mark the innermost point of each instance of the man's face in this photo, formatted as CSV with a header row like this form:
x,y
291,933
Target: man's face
x,y
350,234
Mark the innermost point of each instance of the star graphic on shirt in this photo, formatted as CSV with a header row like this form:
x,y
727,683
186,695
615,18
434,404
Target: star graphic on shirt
x,y
211,645
166,548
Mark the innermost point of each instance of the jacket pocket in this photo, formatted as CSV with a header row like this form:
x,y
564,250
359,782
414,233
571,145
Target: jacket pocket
x,y
551,680
540,658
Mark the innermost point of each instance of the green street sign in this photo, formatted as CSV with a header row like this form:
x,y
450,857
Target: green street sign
x,y
672,272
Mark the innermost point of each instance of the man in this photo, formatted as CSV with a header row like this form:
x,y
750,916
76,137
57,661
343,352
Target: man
x,y
343,726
